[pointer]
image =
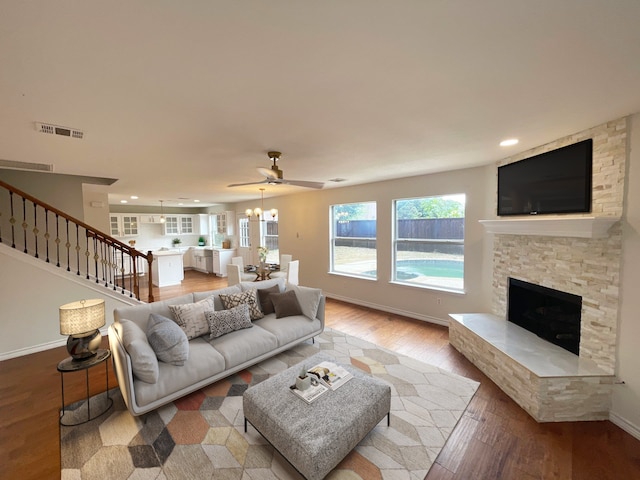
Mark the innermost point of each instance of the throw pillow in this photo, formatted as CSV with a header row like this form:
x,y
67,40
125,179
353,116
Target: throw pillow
x,y
286,304
225,321
309,299
264,295
143,359
190,317
249,297
167,339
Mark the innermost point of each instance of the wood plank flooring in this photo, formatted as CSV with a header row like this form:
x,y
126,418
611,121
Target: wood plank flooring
x,y
495,439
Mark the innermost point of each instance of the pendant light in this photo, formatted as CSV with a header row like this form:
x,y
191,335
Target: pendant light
x,y
161,213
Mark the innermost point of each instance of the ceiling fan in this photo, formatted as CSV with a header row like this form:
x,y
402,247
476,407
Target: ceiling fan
x,y
274,176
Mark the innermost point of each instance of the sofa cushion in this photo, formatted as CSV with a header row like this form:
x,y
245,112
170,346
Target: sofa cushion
x,y
289,329
249,297
225,321
191,318
286,304
309,299
167,339
280,282
144,362
140,313
197,296
244,345
265,300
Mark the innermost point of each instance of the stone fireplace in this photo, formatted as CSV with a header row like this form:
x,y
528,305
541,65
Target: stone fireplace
x,y
580,262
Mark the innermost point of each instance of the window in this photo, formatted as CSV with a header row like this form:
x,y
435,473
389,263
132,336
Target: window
x,y
429,241
243,225
353,239
270,237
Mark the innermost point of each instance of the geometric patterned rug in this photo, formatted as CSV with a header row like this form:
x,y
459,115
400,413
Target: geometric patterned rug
x,y
201,436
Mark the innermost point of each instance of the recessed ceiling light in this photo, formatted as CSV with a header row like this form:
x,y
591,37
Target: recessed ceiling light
x,y
123,201
197,201
509,142
134,197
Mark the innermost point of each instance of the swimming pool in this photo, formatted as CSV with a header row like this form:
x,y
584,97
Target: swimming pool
x,y
408,269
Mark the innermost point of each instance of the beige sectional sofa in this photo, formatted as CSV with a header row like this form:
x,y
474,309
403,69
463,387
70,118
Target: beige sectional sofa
x,y
147,383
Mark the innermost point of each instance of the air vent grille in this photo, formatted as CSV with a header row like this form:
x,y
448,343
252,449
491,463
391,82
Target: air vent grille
x,y
40,167
58,130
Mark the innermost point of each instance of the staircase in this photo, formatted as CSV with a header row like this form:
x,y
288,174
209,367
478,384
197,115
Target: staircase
x,y
48,234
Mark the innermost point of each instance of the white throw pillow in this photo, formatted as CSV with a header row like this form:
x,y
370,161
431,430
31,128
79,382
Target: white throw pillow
x,y
309,299
190,317
144,362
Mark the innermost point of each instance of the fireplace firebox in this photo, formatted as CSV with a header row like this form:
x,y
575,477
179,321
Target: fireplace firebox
x,y
551,314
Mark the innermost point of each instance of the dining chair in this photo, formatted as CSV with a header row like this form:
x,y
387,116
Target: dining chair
x,y
233,274
292,272
244,277
285,258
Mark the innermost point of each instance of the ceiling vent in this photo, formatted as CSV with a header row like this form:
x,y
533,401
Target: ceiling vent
x,y
38,167
58,130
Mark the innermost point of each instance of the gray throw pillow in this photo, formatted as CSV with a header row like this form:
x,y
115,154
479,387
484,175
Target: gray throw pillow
x,y
225,321
144,362
168,340
286,304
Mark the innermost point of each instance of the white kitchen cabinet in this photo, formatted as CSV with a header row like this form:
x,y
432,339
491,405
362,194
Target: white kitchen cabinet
x,y
123,224
222,258
179,225
167,268
186,224
188,258
150,218
203,260
225,222
202,220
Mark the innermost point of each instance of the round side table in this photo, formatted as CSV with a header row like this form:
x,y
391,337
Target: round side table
x,y
70,365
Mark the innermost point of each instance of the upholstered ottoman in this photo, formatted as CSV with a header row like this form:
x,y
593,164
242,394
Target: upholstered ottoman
x,y
315,437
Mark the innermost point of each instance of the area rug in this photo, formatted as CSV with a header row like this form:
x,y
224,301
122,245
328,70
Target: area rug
x,y
202,436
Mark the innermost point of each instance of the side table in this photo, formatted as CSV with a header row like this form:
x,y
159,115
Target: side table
x,y
70,365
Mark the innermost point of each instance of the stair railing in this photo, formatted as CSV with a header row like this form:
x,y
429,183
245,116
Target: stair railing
x,y
46,233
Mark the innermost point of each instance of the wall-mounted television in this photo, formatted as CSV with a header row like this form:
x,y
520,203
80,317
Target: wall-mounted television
x,y
558,181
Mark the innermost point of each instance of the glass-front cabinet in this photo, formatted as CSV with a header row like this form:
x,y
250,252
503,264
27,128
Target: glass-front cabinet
x,y
123,225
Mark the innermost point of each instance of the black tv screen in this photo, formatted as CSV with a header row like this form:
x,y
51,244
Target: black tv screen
x,y
558,181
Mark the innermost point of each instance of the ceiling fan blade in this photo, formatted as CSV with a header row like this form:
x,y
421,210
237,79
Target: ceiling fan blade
x,y
267,172
302,183
249,183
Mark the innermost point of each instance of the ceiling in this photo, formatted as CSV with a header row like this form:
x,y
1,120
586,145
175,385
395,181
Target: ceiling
x,y
179,99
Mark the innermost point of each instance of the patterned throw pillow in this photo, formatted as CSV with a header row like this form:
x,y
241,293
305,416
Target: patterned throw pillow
x,y
167,339
225,321
249,297
190,317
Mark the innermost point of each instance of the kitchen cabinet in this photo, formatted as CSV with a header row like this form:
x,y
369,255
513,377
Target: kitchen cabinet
x,y
188,258
225,223
203,224
222,258
167,268
123,224
203,260
149,218
179,225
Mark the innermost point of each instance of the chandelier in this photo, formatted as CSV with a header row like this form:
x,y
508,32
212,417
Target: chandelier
x,y
258,211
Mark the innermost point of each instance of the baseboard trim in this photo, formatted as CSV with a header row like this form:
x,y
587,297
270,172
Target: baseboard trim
x,y
41,347
628,427
385,308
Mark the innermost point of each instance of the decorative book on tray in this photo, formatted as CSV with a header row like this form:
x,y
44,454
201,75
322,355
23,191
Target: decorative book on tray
x,y
325,376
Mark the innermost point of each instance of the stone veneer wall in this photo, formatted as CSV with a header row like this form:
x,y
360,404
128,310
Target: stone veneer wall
x,y
586,267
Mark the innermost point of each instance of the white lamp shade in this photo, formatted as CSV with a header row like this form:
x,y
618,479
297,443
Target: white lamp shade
x,y
81,317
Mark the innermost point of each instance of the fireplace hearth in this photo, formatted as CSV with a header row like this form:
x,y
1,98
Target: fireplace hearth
x,y
551,314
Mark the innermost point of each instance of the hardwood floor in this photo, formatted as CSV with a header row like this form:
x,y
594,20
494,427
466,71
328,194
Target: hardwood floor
x,y
495,439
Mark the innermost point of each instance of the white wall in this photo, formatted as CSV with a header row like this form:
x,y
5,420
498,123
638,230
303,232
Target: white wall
x,y
625,410
31,291
304,233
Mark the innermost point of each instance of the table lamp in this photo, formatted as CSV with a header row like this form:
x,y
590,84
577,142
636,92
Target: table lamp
x,y
81,321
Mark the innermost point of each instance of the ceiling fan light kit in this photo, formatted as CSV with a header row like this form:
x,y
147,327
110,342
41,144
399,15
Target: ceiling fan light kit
x,y
275,176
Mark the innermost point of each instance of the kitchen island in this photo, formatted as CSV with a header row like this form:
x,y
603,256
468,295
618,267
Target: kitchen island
x,y
167,268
